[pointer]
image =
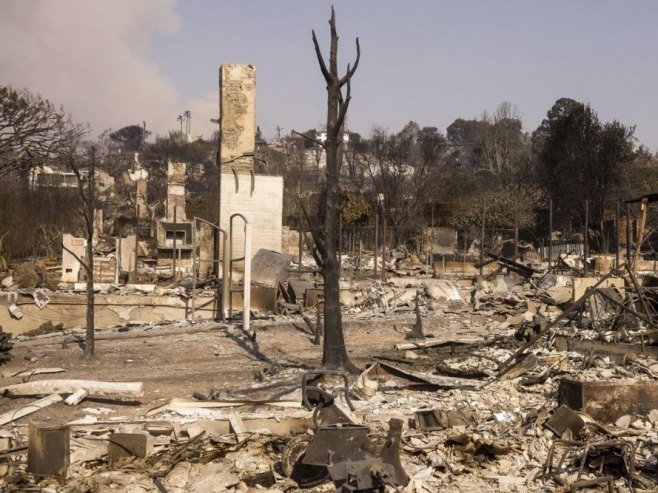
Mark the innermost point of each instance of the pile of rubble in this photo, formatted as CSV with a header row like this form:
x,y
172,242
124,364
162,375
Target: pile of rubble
x,y
517,381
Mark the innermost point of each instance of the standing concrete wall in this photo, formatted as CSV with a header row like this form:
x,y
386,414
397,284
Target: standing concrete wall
x,y
263,208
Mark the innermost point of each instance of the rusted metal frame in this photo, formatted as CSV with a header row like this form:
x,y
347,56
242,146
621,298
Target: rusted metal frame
x,y
628,454
502,368
643,318
643,301
339,373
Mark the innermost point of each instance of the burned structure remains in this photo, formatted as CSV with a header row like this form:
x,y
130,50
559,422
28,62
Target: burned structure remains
x,y
484,361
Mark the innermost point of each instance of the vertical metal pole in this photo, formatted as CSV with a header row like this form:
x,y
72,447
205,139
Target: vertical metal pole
x,y
586,245
173,252
136,244
383,245
629,263
226,276
482,239
246,296
229,259
550,233
516,230
194,246
617,242
376,240
301,242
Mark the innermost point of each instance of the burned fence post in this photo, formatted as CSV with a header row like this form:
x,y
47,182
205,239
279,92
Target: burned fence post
x,y
484,210
586,239
617,242
516,229
629,262
550,233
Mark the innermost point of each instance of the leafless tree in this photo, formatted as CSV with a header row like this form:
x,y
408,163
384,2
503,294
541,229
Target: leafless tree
x,y
32,130
334,354
84,169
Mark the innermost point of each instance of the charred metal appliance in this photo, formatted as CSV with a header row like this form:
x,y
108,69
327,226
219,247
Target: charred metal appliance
x,y
340,450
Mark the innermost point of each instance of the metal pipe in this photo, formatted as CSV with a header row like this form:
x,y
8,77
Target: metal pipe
x,y
216,261
194,253
226,274
136,242
247,261
173,252
246,283
230,268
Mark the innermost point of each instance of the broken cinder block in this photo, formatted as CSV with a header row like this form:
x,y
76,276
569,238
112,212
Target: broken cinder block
x,y
129,445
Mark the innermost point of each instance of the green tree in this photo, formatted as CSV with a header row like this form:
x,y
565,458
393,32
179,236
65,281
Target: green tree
x,y
581,159
130,138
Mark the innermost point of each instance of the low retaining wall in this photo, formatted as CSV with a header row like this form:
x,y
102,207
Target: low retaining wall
x,y
110,310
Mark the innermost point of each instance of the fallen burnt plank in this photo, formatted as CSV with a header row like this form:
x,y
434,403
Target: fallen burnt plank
x,y
615,351
608,401
512,265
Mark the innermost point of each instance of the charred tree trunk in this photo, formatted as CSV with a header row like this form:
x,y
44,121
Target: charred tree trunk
x,y
334,354
87,190
90,207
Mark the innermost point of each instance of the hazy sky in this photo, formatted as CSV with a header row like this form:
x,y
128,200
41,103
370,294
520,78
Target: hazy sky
x,y
118,62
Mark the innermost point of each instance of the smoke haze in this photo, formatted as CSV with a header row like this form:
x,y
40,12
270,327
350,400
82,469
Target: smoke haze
x,y
91,57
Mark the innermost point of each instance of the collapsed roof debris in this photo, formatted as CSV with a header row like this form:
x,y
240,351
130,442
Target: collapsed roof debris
x,y
520,383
